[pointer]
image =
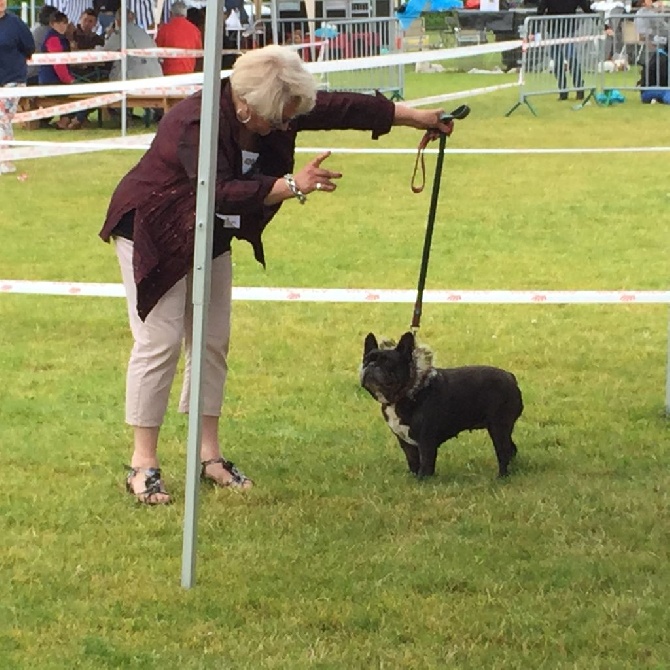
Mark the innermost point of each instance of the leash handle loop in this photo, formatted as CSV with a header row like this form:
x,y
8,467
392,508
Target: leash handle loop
x,y
429,136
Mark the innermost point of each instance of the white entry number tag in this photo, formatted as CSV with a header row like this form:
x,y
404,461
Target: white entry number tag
x,y
229,220
249,159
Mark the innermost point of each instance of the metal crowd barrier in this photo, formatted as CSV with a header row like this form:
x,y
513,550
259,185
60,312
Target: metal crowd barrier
x,y
636,54
333,39
560,55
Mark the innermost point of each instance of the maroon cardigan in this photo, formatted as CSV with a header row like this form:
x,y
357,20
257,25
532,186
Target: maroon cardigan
x,y
161,188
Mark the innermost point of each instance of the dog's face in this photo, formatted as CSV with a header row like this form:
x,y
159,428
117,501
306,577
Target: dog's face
x,y
386,371
391,372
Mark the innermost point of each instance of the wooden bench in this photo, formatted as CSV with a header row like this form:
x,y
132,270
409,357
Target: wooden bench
x,y
164,102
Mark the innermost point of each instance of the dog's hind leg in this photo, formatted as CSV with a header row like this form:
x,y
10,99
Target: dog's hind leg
x,y
412,455
501,436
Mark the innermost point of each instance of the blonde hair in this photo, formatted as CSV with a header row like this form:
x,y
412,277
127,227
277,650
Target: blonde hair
x,y
268,79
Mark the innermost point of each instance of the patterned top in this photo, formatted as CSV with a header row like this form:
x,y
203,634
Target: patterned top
x,y
161,188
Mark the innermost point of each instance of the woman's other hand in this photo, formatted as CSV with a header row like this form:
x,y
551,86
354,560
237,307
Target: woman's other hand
x,y
314,177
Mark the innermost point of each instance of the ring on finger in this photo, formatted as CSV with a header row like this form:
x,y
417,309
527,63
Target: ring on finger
x,y
319,185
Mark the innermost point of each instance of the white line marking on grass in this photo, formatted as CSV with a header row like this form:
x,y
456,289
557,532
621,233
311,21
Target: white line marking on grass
x,y
26,149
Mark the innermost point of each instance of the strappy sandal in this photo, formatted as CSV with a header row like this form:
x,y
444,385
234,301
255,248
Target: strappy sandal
x,y
238,479
153,484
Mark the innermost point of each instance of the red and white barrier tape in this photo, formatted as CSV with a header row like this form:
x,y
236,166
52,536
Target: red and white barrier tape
x,y
101,101
67,108
343,295
166,91
102,56
75,57
167,52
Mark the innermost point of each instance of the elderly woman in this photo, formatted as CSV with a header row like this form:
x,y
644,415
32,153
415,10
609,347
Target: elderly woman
x,y
16,47
269,98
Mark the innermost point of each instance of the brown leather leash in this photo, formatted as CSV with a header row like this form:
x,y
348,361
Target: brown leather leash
x,y
430,135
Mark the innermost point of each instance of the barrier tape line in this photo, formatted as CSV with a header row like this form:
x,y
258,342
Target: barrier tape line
x,y
459,95
75,57
51,149
25,150
342,65
102,56
342,295
99,101
555,41
67,108
179,91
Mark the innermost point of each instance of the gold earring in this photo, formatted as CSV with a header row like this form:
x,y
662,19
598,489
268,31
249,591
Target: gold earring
x,y
238,112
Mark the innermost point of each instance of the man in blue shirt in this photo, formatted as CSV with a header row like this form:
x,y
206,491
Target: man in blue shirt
x,y
16,47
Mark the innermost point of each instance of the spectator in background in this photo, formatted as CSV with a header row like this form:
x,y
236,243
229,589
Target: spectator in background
x,y
139,67
197,17
39,31
652,29
565,52
60,73
85,37
648,21
16,47
654,77
143,11
179,32
106,11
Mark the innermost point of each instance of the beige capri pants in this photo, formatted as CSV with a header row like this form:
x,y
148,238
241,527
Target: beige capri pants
x,y
158,340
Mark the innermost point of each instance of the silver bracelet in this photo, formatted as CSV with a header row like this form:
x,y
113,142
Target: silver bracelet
x,y
293,187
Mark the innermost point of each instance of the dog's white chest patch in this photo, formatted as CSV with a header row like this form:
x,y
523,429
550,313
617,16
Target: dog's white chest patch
x,y
400,429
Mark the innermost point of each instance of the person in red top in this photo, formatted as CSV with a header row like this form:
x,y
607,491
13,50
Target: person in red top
x,y
180,33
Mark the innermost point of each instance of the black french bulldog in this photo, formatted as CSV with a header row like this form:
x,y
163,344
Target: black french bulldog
x,y
424,406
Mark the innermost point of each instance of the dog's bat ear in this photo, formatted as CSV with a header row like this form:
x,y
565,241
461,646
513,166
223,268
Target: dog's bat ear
x,y
370,344
406,344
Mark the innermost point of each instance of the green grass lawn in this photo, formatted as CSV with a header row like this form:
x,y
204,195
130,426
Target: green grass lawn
x,y
338,558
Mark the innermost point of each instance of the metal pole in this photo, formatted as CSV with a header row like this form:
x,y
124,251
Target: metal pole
x,y
274,21
202,261
124,65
